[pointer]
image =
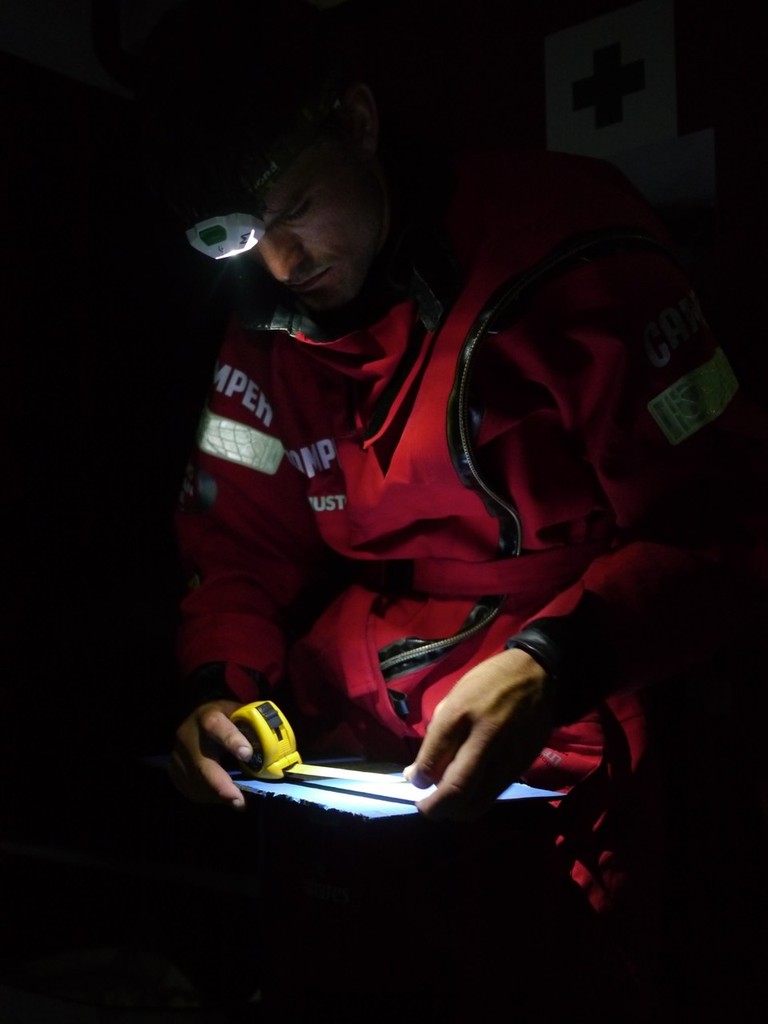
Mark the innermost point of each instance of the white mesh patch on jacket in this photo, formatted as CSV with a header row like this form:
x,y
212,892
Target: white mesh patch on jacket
x,y
235,442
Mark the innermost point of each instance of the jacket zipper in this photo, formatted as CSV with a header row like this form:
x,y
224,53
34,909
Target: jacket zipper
x,y
412,653
421,652
508,300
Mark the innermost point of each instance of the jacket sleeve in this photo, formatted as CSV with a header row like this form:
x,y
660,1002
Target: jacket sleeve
x,y
248,544
674,454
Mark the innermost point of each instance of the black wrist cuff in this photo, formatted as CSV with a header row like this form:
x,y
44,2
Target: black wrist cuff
x,y
209,682
576,654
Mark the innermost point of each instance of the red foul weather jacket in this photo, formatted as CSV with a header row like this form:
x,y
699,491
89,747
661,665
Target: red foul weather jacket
x,y
565,432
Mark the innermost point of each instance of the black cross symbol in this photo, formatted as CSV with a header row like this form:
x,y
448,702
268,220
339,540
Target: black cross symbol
x,y
608,86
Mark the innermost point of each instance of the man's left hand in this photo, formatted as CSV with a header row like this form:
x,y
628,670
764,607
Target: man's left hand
x,y
483,735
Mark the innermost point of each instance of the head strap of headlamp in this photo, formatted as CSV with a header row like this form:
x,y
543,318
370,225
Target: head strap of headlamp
x,y
259,172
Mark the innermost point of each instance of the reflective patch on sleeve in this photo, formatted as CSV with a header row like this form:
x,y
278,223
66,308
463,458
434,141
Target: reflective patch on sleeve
x,y
695,400
235,442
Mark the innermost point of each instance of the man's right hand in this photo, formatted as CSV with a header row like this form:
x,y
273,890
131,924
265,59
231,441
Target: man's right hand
x,y
202,741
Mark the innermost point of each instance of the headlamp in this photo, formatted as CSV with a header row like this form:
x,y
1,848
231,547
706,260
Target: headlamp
x,y
233,233
227,235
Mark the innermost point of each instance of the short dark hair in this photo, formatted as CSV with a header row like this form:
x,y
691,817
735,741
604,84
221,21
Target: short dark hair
x,y
229,89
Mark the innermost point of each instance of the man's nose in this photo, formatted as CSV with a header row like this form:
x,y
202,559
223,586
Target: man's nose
x,y
281,252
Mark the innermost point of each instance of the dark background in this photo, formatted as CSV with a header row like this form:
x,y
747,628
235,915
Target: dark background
x,y
109,324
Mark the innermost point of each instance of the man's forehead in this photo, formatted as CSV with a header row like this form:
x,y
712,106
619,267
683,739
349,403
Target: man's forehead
x,y
271,168
297,178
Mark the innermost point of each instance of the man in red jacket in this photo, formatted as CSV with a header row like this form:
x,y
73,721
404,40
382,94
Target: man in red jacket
x,y
474,479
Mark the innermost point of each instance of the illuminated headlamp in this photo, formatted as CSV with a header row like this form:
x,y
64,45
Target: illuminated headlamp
x,y
228,235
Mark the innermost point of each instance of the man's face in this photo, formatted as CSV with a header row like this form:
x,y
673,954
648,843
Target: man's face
x,y
326,219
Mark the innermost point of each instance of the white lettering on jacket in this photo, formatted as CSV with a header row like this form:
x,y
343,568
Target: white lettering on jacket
x,y
314,458
328,502
228,380
673,326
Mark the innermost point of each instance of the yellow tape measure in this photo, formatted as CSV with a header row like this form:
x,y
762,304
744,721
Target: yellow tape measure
x,y
270,735
276,756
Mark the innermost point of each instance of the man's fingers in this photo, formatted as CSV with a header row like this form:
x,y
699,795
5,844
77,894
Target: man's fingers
x,y
203,780
456,796
439,747
217,726
219,782
202,741
418,776
470,784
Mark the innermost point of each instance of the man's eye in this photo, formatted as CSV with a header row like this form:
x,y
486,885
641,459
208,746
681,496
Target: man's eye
x,y
294,214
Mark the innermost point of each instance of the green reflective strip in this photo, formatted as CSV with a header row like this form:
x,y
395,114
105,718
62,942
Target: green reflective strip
x,y
695,400
214,234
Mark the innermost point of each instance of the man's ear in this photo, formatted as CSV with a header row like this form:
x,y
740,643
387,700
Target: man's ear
x,y
361,118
